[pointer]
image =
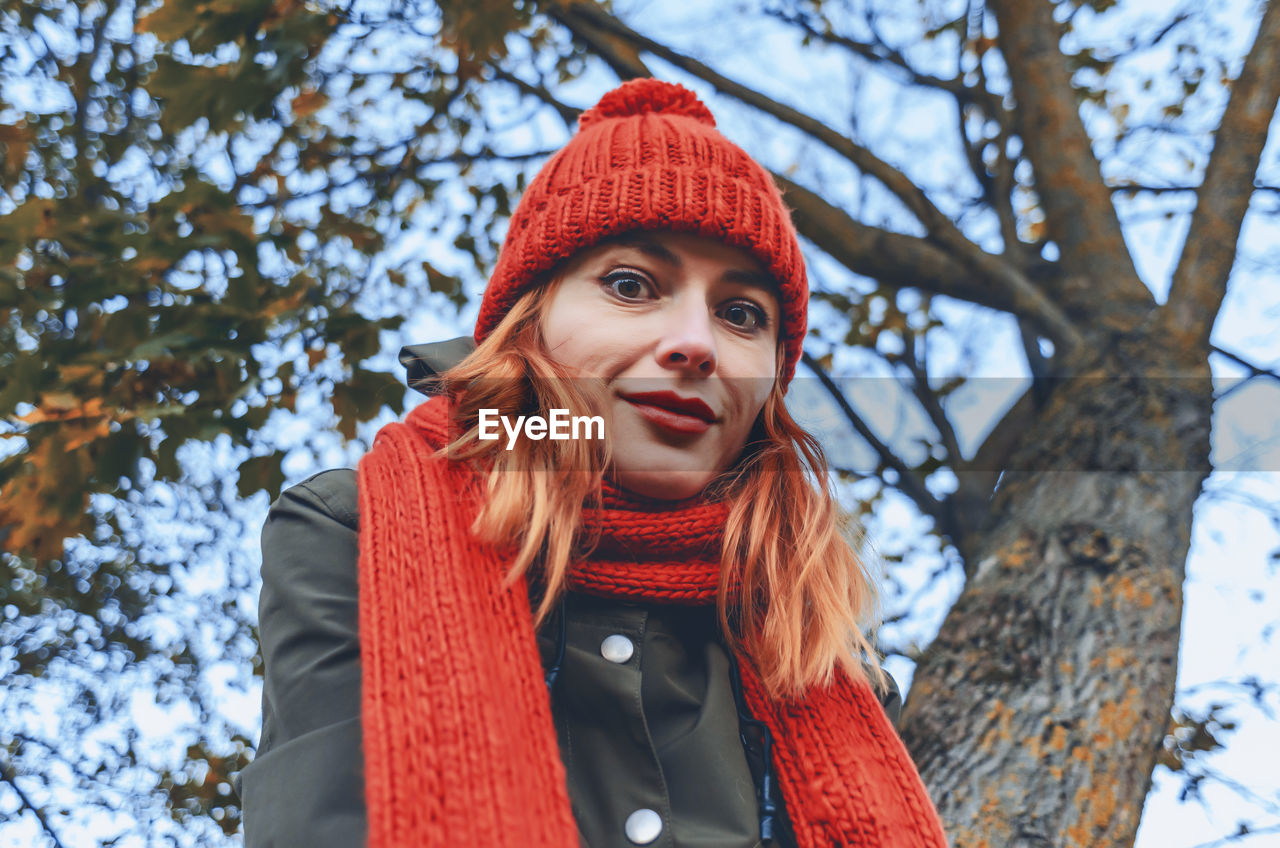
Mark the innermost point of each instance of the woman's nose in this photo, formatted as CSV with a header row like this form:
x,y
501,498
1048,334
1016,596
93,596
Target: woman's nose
x,y
688,343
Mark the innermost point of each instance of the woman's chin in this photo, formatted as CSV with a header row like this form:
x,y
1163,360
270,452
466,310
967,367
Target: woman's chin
x,y
663,485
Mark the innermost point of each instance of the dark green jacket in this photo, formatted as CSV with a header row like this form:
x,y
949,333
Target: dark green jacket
x,y
655,730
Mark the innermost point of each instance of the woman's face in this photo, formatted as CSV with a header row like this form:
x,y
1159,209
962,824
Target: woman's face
x,y
669,320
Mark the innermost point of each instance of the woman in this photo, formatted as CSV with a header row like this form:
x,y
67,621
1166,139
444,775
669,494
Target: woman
x,y
650,638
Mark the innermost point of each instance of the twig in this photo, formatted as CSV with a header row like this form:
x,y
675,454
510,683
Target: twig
x,y
1235,837
908,483
8,775
1138,188
567,113
1254,371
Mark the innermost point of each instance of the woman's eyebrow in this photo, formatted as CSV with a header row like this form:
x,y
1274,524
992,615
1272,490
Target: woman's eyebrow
x,y
647,246
759,279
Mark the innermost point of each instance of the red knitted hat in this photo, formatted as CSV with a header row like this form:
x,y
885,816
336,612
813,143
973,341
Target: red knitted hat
x,y
648,156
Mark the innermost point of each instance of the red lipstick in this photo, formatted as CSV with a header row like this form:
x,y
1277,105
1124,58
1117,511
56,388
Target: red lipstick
x,y
669,410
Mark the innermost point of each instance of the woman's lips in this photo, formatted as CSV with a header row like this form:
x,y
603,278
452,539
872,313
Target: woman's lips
x,y
669,420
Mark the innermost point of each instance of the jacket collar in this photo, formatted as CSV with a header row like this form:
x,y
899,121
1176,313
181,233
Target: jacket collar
x,y
424,361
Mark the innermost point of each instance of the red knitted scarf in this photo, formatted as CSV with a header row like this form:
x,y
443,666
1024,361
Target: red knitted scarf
x,y
459,745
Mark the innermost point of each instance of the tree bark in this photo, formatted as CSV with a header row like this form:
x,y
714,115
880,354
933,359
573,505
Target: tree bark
x,y
1078,209
1036,715
1200,281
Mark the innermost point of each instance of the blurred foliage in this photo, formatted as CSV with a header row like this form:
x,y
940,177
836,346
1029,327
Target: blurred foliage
x,y
1191,735
171,216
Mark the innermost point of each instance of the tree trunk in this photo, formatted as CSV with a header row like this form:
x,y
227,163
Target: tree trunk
x,y
1036,715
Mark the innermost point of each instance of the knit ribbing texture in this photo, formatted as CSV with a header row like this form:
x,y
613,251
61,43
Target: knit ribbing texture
x,y
459,744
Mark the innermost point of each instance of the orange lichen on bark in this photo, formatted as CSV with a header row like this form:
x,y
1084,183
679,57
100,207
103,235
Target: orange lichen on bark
x,y
1127,588
993,814
1124,589
1019,552
990,802
1033,743
1096,595
1117,719
1118,658
922,689
1000,733
966,837
1096,801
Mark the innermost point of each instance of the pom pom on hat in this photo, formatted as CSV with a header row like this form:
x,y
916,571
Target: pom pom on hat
x,y
645,95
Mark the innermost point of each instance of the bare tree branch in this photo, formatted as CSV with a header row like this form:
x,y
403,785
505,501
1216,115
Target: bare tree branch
x,y
581,17
616,52
918,366
999,185
1080,216
7,775
567,113
976,479
965,506
880,54
1139,188
908,483
898,260
1254,371
370,175
1239,837
958,517
1200,280
907,261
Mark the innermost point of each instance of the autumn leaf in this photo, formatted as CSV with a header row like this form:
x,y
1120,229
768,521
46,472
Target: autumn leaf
x,y
14,143
62,406
307,103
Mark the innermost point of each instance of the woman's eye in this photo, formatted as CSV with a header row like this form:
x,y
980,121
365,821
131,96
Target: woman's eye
x,y
627,285
745,316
